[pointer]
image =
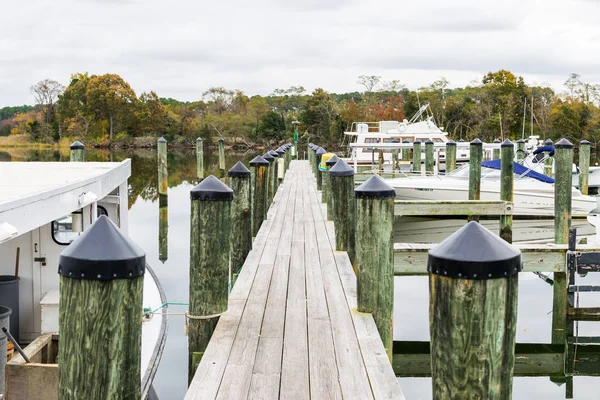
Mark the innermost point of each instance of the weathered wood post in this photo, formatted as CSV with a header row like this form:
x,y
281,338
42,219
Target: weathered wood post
x,y
395,160
563,178
496,151
210,233
241,221
520,150
270,172
199,158
77,152
319,153
258,188
344,207
473,295
374,256
450,156
406,152
163,174
222,154
584,165
429,157
327,196
380,159
417,167
163,227
274,178
280,165
476,155
100,315
549,161
312,159
507,187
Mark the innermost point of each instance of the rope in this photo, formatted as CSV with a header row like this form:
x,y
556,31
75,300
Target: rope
x,y
200,317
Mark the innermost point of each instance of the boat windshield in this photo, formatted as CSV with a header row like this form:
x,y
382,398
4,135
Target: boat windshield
x,y
462,172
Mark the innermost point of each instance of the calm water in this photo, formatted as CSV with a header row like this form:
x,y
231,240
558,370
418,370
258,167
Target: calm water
x,y
411,314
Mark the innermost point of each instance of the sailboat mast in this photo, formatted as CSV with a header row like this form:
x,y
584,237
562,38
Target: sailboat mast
x,y
524,111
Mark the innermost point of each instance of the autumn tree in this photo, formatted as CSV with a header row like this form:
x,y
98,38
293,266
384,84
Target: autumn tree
x,y
46,93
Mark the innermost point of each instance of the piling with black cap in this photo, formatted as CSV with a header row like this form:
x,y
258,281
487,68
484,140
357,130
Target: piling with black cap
x,y
429,157
406,152
450,156
395,160
163,175
476,157
327,198
473,295
344,207
380,159
584,165
549,160
163,227
417,167
270,194
259,168
210,233
496,151
275,170
100,322
199,158
311,156
241,218
222,154
288,157
280,164
374,256
520,150
319,153
77,152
507,187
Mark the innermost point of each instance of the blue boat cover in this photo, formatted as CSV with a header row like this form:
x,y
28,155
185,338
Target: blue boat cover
x,y
519,169
549,149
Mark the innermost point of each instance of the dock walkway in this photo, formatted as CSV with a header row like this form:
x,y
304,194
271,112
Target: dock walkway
x,y
291,330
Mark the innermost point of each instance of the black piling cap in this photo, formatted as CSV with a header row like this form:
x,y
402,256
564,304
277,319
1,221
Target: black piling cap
x,y
406,141
274,153
374,188
321,151
162,140
102,253
211,189
587,142
239,170
332,161
280,151
461,140
267,156
520,141
341,168
507,143
258,160
476,142
198,139
563,144
77,145
548,142
451,143
221,140
417,141
496,140
473,252
395,140
429,141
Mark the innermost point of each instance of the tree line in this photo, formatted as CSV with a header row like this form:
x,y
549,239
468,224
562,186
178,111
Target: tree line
x,y
104,110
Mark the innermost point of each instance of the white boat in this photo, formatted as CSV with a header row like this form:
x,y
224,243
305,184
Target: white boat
x,y
533,192
44,206
593,179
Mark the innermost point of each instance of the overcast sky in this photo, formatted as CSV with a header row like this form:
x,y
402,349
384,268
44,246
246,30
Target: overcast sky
x,y
179,48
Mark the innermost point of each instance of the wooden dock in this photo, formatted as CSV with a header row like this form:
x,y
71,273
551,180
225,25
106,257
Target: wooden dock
x,y
291,330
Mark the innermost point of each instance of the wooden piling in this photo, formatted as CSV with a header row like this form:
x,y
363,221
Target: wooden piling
x,y
374,257
274,178
280,165
496,152
563,177
241,221
319,153
199,158
473,291
163,175
327,193
77,152
344,207
210,233
258,188
100,322
584,166
395,160
507,187
222,154
476,156
163,227
520,150
417,167
380,159
549,161
450,156
270,173
406,152
429,157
